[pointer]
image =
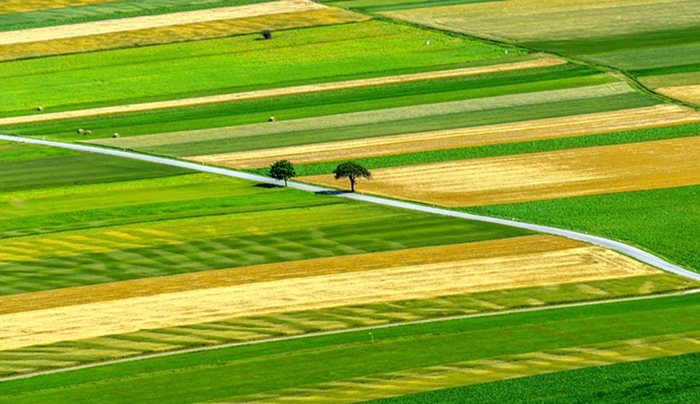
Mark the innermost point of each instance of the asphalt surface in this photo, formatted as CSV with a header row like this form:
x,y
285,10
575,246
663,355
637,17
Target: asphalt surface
x,y
613,245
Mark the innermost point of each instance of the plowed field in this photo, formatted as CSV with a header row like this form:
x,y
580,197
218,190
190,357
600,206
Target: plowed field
x,y
540,176
577,125
466,268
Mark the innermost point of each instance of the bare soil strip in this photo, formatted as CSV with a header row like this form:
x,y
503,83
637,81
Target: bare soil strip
x,y
528,64
154,21
540,176
577,125
690,94
493,268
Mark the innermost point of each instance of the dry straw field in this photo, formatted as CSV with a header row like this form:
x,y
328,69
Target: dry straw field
x,y
540,176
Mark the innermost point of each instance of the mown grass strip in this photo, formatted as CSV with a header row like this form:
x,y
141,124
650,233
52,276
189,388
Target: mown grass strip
x,y
317,103
65,354
469,115
668,379
254,369
564,143
664,221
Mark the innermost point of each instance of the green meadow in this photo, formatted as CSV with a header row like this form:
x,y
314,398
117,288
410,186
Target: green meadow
x,y
663,221
239,63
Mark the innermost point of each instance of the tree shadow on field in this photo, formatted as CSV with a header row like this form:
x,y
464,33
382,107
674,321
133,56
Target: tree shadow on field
x,y
332,192
267,186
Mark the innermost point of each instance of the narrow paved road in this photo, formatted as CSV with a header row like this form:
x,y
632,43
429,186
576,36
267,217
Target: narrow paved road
x,y
622,248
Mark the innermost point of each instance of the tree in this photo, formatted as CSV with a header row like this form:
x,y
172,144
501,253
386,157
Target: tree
x,y
282,170
266,34
352,171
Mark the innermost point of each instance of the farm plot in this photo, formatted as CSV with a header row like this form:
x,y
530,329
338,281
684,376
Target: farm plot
x,y
457,269
577,125
608,33
539,176
233,64
178,33
400,360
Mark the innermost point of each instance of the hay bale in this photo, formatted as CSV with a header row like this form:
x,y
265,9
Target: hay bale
x,y
81,131
40,108
271,119
87,132
116,135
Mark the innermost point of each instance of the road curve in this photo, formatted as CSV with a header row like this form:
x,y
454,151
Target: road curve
x,y
613,245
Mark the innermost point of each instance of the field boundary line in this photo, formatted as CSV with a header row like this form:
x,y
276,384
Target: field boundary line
x,y
350,330
284,91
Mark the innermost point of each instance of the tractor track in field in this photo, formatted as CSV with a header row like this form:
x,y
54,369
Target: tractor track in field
x,y
619,247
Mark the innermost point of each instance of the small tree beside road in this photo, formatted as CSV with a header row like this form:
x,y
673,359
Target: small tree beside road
x,y
352,171
282,170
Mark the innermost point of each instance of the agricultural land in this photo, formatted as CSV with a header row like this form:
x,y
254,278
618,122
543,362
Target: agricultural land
x,y
141,282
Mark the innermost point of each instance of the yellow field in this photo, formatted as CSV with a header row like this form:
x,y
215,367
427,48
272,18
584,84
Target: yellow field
x,y
539,176
315,284
690,94
578,125
155,21
176,33
18,6
525,20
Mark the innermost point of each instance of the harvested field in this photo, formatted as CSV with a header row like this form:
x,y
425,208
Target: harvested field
x,y
522,20
156,21
542,62
577,125
467,268
179,33
690,94
19,6
540,176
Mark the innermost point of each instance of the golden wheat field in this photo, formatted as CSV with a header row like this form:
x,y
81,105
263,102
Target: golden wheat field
x,y
154,21
689,94
314,284
577,125
181,32
539,176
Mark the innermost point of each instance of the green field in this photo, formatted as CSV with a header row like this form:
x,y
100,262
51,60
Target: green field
x,y
662,380
432,353
317,104
232,64
664,221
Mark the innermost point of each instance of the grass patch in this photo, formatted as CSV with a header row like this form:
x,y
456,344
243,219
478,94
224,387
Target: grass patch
x,y
469,116
664,221
227,373
34,169
319,103
436,156
295,57
660,380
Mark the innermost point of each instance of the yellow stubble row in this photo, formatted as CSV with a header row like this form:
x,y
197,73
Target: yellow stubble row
x,y
309,285
178,33
540,176
569,126
20,6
